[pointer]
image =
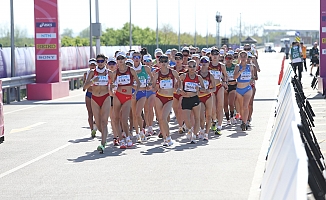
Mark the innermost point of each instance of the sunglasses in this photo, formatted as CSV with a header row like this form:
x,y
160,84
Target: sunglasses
x,y
148,60
247,49
235,57
191,66
158,56
164,61
112,63
136,57
100,61
192,52
178,58
120,58
204,61
228,58
185,55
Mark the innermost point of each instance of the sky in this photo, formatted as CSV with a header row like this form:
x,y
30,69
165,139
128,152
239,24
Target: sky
x,y
196,15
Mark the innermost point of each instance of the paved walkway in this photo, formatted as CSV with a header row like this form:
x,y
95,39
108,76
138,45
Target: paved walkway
x,y
48,153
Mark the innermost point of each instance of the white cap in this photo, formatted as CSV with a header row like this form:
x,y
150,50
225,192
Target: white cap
x,y
147,57
204,49
130,61
230,52
208,50
195,55
121,53
158,50
92,61
221,51
112,59
168,52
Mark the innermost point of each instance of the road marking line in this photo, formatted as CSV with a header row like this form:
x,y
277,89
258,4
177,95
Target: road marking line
x,y
26,128
36,159
41,103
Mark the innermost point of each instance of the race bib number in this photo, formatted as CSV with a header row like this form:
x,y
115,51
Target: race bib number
x,y
190,87
166,84
102,80
245,76
123,79
230,75
206,84
142,82
216,74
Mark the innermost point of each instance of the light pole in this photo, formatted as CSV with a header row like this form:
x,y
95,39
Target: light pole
x,y
12,36
195,42
156,23
98,51
240,31
179,24
218,21
90,30
130,31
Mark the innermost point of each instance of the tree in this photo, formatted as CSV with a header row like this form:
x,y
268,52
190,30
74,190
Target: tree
x,y
84,33
67,32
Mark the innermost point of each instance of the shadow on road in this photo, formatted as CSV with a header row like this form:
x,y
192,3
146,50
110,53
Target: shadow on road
x,y
108,152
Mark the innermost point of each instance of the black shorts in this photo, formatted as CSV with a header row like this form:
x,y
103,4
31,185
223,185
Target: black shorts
x,y
232,87
188,103
314,61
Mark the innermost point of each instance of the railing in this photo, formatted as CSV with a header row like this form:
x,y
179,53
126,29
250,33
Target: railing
x,y
15,87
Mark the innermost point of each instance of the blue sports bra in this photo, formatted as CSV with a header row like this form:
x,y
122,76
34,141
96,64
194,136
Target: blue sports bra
x,y
245,76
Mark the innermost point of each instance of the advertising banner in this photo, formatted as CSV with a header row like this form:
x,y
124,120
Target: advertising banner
x,y
2,132
47,43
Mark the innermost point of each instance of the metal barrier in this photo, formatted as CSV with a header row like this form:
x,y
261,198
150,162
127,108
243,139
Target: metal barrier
x,y
13,86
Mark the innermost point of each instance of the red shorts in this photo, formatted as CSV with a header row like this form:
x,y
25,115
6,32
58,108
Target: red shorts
x,y
123,98
100,100
177,96
218,86
204,98
164,99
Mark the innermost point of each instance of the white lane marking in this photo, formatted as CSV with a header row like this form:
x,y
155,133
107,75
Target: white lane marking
x,y
26,128
35,159
42,103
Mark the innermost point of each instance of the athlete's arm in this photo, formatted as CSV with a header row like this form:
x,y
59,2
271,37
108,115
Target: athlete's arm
x,y
89,81
237,72
201,82
213,84
133,73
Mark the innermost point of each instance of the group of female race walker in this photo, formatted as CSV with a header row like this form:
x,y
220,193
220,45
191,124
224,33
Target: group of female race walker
x,y
197,85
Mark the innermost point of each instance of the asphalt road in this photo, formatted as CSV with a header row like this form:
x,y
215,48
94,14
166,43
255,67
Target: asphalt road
x,y
49,154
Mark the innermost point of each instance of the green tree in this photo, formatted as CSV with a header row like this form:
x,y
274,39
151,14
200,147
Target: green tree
x,y
67,32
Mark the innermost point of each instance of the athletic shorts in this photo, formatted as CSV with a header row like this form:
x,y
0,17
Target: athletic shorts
x,y
188,103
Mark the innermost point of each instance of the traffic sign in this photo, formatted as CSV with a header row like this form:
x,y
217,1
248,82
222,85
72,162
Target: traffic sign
x,y
297,33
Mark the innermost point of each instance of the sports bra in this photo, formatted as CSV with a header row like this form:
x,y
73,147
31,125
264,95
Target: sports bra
x,y
102,80
245,76
207,80
126,78
189,85
166,81
216,71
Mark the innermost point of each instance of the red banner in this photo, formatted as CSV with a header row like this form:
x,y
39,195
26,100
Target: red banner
x,y
47,43
2,132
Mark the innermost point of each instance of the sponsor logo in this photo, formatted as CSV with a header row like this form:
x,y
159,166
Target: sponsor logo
x,y
323,51
323,29
46,57
45,24
46,35
323,40
46,46
323,18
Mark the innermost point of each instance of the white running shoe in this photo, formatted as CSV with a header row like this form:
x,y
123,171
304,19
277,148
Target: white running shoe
x,y
233,120
128,141
122,144
138,138
228,122
142,136
205,137
169,141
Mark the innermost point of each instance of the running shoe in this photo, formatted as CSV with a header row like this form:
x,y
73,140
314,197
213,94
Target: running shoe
x,y
228,122
181,130
213,126
123,144
93,133
142,136
100,148
116,142
160,135
138,138
243,126
218,131
165,143
205,137
169,141
189,134
128,141
149,131
233,120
